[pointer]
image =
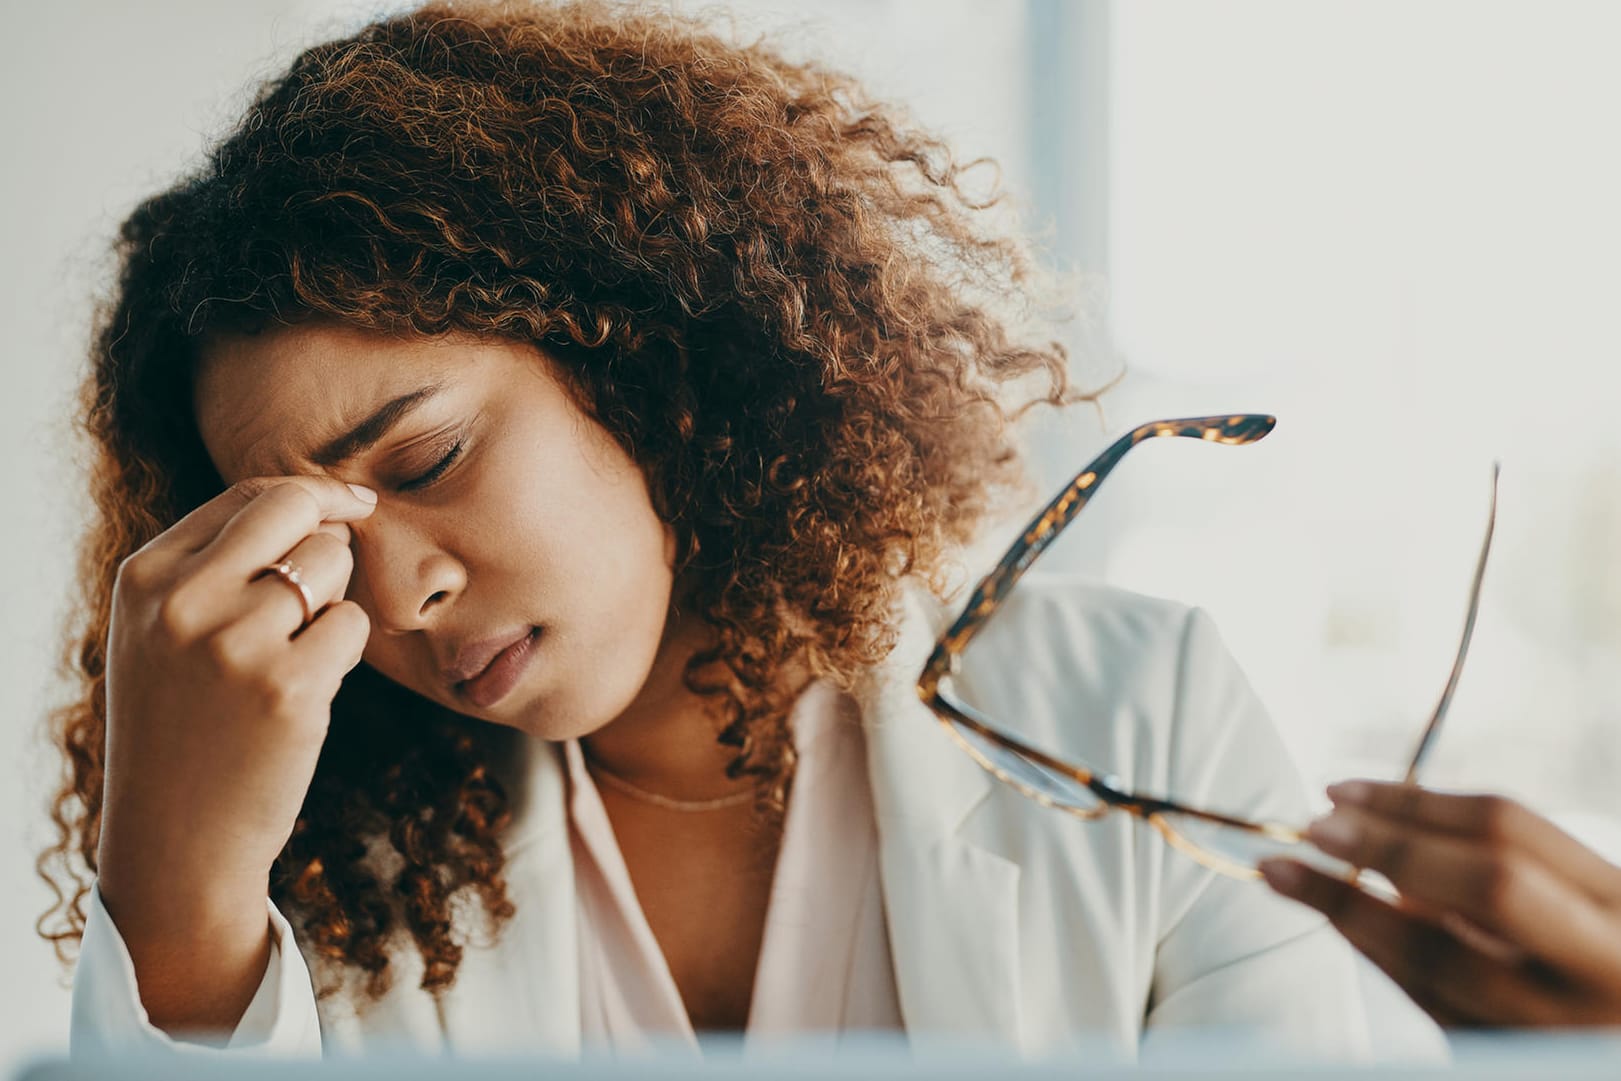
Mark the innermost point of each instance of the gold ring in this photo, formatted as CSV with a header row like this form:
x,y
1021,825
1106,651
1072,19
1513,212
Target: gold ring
x,y
292,574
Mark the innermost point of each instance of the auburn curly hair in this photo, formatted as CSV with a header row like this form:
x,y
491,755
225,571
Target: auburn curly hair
x,y
777,295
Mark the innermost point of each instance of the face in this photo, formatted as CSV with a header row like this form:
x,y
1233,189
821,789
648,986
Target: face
x,y
515,569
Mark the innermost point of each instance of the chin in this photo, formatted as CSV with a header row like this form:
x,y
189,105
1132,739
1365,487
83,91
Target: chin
x,y
562,716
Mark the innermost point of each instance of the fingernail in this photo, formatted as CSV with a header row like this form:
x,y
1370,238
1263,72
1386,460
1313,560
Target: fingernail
x,y
1333,834
363,493
1354,792
1285,876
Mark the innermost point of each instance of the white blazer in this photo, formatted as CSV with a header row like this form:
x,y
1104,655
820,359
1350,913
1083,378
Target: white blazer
x,y
1008,922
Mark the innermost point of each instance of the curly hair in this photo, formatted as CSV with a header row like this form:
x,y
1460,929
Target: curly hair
x,y
779,296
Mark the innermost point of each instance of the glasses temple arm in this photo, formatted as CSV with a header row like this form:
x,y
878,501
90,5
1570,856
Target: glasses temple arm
x,y
1427,740
1045,527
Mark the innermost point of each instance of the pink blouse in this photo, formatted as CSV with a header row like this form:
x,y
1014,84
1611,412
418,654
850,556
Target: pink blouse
x,y
824,966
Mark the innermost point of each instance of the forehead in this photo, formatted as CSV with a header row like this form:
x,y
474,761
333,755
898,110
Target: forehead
x,y
265,402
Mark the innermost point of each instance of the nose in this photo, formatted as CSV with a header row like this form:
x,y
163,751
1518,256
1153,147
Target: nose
x,y
402,578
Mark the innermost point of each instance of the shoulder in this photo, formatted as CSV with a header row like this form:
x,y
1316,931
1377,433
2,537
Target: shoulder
x,y
1113,677
1066,611
1095,643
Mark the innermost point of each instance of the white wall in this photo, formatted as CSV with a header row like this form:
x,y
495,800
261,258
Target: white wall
x,y
1395,224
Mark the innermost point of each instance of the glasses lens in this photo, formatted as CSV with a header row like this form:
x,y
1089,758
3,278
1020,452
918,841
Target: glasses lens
x,y
1024,772
1244,849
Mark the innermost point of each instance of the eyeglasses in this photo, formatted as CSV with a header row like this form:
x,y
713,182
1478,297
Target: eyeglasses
x,y
1224,843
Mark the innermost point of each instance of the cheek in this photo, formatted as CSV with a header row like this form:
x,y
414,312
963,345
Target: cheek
x,y
616,564
584,515
391,658
621,555
646,544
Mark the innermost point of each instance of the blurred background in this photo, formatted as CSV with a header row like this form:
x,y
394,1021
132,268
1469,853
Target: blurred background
x,y
1393,223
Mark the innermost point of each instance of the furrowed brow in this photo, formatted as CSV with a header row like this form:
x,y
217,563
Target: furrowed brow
x,y
370,431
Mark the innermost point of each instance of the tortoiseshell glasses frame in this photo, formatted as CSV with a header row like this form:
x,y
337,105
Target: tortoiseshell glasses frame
x,y
1225,843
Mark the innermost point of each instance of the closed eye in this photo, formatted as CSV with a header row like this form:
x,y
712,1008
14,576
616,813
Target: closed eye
x,y
438,469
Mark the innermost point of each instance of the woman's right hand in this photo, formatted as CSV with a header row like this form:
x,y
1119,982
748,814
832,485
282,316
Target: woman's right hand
x,y
1503,918
218,700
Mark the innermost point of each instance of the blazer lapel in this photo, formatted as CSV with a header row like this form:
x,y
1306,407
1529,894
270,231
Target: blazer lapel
x,y
951,905
520,993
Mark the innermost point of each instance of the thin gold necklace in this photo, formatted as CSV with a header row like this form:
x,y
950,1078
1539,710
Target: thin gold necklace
x,y
686,806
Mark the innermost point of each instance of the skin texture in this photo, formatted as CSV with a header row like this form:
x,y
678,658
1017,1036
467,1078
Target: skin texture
x,y
1503,919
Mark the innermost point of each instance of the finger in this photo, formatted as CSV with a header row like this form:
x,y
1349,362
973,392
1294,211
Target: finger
x,y
332,644
198,529
338,531
1488,818
1452,982
323,565
275,520
1506,892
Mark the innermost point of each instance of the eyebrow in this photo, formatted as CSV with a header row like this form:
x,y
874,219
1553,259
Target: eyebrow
x,y
370,431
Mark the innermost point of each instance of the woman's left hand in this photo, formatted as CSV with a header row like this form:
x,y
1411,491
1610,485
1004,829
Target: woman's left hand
x,y
1503,918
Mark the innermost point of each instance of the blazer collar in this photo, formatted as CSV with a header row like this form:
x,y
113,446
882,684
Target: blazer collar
x,y
951,905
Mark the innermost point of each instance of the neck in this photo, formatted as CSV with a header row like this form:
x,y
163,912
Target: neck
x,y
664,742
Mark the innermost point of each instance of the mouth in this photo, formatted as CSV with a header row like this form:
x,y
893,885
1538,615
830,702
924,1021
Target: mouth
x,y
494,680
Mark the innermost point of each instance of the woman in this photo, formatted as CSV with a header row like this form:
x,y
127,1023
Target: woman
x,y
1505,920
624,399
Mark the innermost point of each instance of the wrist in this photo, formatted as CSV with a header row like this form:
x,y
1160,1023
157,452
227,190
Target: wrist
x,y
149,902
198,954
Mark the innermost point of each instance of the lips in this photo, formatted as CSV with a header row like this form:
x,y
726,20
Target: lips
x,y
485,672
